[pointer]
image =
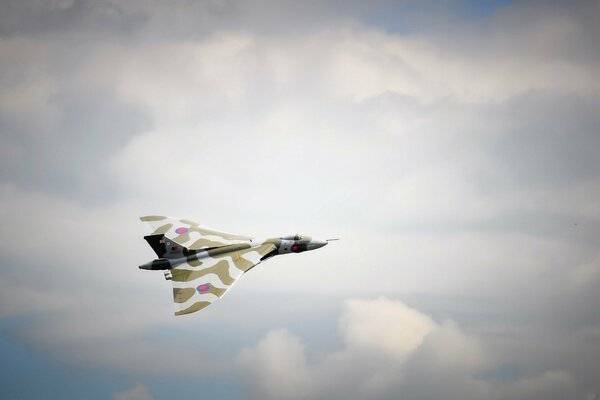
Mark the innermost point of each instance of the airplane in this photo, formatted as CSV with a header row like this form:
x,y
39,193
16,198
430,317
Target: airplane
x,y
203,264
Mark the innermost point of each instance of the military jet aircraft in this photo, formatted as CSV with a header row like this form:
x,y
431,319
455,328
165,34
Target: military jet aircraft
x,y
203,264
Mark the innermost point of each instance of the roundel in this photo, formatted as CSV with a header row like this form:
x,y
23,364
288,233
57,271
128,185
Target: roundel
x,y
181,230
204,287
294,248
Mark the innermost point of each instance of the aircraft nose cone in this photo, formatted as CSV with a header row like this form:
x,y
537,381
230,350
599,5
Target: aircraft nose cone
x,y
315,244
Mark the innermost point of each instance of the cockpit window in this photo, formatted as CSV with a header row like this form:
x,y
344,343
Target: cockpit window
x,y
292,237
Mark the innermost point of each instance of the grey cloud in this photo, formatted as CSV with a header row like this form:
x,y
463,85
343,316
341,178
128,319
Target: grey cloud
x,y
69,157
513,155
138,392
65,153
141,20
548,138
83,108
48,17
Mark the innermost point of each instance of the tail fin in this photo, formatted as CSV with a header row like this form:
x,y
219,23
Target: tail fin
x,y
155,241
165,248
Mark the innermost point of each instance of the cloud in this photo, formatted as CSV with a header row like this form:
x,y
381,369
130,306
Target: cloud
x,y
550,385
277,366
57,129
402,351
387,326
138,392
457,162
28,86
360,92
478,159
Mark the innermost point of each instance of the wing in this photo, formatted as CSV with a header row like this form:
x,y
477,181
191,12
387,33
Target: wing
x,y
197,284
191,235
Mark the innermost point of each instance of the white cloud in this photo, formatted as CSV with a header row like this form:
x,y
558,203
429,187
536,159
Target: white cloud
x,y
384,325
138,392
423,142
180,80
398,350
587,273
276,367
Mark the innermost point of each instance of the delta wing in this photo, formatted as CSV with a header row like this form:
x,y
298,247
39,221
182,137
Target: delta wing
x,y
196,284
191,235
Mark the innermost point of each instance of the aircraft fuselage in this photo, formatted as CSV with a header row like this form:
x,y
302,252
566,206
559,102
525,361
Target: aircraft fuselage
x,y
176,254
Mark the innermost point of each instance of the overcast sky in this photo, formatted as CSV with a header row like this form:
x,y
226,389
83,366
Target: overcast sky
x,y
452,145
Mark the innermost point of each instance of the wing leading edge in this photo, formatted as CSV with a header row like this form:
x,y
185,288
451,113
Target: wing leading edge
x,y
191,235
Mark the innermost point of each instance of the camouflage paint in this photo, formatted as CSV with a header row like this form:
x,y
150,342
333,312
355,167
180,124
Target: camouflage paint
x,y
212,258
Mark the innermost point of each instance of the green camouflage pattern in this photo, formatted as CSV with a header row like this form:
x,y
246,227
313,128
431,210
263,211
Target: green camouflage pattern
x,y
203,263
196,237
219,273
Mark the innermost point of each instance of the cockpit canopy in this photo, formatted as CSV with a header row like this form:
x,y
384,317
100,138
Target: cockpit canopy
x,y
292,237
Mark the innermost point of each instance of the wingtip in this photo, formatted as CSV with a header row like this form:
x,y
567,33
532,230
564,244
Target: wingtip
x,y
149,218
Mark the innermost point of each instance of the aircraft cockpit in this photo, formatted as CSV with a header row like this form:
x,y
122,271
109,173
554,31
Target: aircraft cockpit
x,y
292,237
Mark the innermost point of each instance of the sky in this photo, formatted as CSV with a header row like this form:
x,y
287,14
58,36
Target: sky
x,y
451,145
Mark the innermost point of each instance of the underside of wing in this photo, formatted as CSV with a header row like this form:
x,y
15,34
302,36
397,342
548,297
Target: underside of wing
x,y
191,235
198,284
